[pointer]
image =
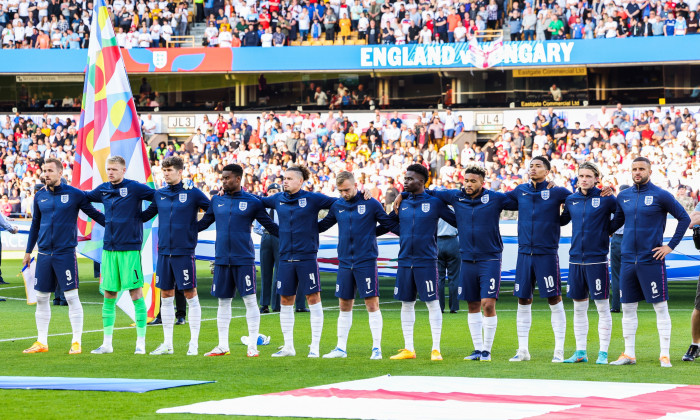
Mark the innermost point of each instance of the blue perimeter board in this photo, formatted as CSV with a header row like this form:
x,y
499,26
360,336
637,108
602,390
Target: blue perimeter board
x,y
92,384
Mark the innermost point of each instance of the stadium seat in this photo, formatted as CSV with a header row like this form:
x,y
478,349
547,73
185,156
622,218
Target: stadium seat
x,y
338,42
305,43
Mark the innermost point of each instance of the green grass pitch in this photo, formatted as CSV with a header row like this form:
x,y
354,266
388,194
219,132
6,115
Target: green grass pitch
x,y
236,375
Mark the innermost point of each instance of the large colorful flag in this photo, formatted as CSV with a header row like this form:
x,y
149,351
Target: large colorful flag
x,y
109,126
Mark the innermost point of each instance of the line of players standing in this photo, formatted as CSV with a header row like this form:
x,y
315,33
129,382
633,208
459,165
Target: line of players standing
x,y
594,215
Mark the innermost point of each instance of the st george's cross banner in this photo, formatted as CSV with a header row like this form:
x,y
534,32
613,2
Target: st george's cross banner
x,y
456,398
109,126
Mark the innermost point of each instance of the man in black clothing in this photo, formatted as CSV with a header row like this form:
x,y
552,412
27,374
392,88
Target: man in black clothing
x,y
560,131
636,28
372,131
413,32
251,37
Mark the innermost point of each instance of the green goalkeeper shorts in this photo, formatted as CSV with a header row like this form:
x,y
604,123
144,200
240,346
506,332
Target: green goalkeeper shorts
x,y
121,270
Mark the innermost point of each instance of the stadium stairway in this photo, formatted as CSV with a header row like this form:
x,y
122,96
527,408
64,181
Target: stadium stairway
x,y
197,31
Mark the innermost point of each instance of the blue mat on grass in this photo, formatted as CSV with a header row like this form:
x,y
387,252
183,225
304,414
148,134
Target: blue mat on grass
x,y
92,384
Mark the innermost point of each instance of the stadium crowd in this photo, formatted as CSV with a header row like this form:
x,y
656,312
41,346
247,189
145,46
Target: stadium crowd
x,y
267,23
378,152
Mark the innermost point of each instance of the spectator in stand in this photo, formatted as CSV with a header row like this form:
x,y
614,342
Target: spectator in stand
x,y
345,27
362,26
515,24
316,30
43,41
441,26
304,22
536,20
278,38
556,27
251,37
692,23
56,38
460,32
681,26
329,21
669,25
144,38
577,29
5,206
266,38
556,93
225,39
374,35
493,15
453,21
541,33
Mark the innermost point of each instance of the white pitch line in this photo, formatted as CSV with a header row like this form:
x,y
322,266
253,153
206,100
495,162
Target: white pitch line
x,y
117,328
24,299
22,287
328,308
125,328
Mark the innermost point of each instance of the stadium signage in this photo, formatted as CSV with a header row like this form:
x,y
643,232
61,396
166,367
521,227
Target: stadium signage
x,y
565,54
463,54
180,125
51,78
484,121
537,52
550,72
431,55
529,104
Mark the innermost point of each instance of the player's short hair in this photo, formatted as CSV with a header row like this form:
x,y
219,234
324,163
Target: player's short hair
x,y
591,167
233,168
344,176
173,162
302,170
476,170
642,159
419,169
116,159
544,161
58,163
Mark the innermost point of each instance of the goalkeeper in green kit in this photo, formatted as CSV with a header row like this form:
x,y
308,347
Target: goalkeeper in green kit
x,y
121,256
